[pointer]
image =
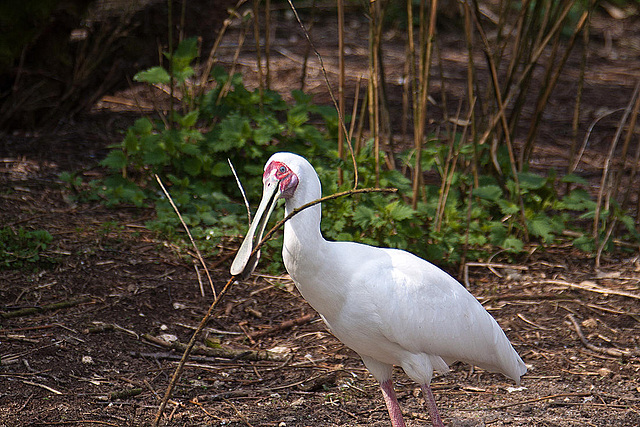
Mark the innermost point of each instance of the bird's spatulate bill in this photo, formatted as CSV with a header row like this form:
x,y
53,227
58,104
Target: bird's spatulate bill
x,y
243,264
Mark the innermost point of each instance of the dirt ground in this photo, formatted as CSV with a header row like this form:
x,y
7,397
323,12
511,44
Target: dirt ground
x,y
89,353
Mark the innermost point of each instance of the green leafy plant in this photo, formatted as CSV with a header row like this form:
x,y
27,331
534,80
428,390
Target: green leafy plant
x,y
23,248
189,150
471,213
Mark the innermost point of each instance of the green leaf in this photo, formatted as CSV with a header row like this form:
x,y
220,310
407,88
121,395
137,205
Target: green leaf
x,y
513,244
221,169
154,75
300,97
115,160
190,149
296,117
192,165
363,216
234,131
219,74
186,52
577,200
574,179
541,226
498,232
142,126
399,212
507,207
189,119
155,156
531,181
585,243
130,142
488,192
183,74
630,224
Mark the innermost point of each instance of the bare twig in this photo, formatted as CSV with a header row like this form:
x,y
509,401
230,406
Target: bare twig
x,y
49,307
284,325
222,351
320,200
593,288
608,351
244,195
193,243
46,387
195,266
604,183
585,140
524,402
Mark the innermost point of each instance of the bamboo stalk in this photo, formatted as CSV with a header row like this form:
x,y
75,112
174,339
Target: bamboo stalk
x,y
471,98
503,120
341,86
227,86
333,98
216,44
267,42
256,37
375,33
423,92
171,76
547,88
579,92
605,180
615,185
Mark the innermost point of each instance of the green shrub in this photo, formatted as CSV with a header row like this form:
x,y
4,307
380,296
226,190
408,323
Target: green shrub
x,y
189,150
22,248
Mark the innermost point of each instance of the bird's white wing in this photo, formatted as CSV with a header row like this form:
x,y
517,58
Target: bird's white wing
x,y
399,306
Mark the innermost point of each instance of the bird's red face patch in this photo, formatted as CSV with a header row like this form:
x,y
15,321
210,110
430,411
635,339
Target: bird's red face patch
x,y
287,178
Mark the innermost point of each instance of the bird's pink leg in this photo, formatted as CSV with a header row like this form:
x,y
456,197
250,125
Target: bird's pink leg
x,y
395,413
431,403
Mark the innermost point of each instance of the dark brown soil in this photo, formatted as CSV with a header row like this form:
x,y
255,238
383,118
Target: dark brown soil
x,y
74,364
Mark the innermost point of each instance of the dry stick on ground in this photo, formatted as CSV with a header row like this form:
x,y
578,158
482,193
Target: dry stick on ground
x,y
523,402
592,288
46,387
189,346
49,307
284,325
223,352
608,351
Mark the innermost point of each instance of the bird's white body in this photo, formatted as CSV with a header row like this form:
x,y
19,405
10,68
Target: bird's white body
x,y
388,305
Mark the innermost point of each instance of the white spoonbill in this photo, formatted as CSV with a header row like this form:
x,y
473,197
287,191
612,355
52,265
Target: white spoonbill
x,y
388,305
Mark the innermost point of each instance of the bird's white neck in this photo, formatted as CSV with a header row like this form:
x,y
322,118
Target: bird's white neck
x,y
305,251
302,235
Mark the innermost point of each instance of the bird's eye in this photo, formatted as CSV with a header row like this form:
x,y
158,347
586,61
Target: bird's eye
x,y
282,169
